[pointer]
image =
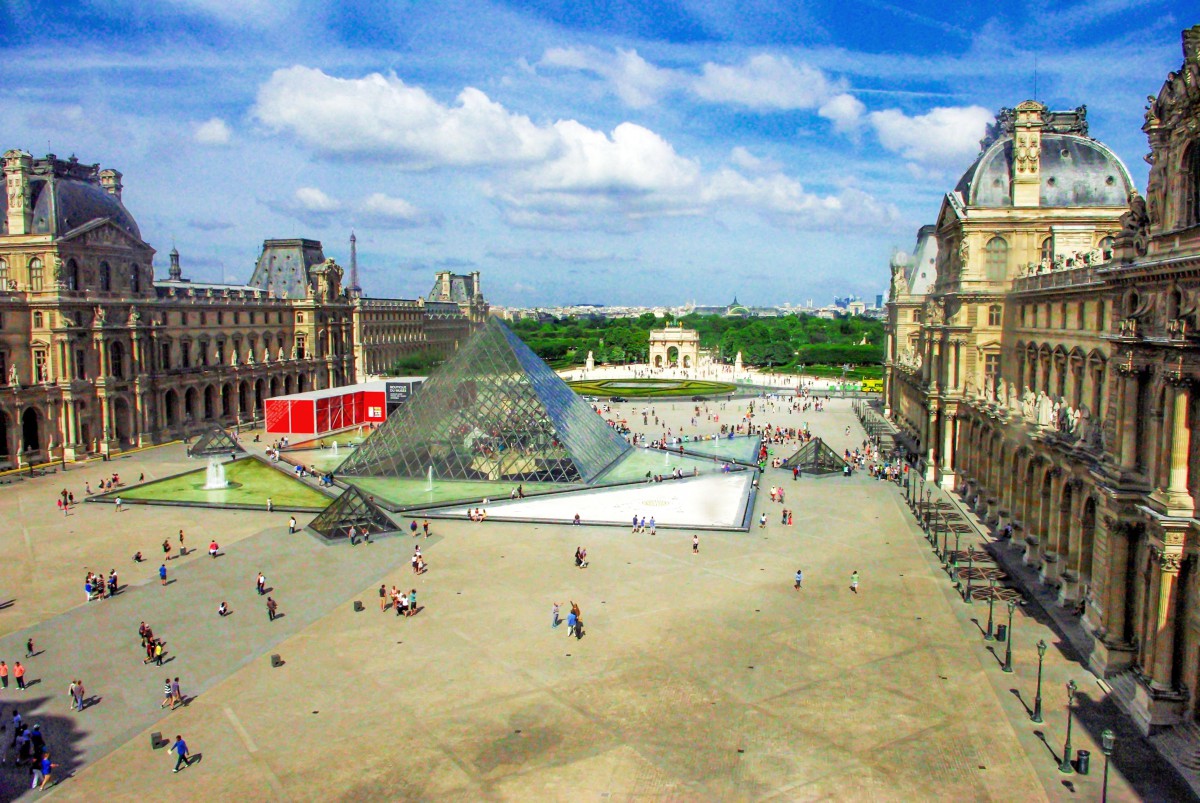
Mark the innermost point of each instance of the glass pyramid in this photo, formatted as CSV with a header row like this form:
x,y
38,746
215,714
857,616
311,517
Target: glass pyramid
x,y
352,509
215,441
815,457
495,412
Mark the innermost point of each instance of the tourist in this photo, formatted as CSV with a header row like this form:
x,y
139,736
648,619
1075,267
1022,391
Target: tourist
x,y
272,606
19,674
762,521
653,526
222,609
162,574
261,584
167,548
854,581
383,595
291,525
695,544
137,557
799,579
29,650
176,694
47,770
213,548
576,520
425,525
572,623
412,527
159,652
180,748
554,620
270,505
118,506
412,602
168,695
3,675
112,582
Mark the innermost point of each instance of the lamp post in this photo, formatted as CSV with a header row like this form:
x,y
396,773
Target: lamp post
x,y
1065,764
928,496
1037,700
970,565
1012,606
991,604
1108,740
945,543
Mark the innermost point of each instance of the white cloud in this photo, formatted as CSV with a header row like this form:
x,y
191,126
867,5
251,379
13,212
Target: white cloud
x,y
312,199
637,82
943,137
383,116
766,82
242,13
384,211
212,132
740,157
845,112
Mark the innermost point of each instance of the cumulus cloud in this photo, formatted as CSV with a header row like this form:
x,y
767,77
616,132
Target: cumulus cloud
x,y
943,137
636,81
381,115
845,112
766,82
740,157
212,132
384,211
560,175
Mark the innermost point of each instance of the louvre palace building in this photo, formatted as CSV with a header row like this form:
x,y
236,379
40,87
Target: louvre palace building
x,y
1044,361
97,356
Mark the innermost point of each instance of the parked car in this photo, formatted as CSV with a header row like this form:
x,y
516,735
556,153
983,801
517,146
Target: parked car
x,y
699,398
617,399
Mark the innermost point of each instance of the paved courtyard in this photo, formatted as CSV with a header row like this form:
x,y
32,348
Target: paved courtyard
x,y
699,677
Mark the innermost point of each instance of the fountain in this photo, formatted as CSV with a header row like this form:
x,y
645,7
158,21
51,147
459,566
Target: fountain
x,y
214,479
429,482
335,453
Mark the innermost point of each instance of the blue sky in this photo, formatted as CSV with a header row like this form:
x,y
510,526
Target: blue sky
x,y
614,152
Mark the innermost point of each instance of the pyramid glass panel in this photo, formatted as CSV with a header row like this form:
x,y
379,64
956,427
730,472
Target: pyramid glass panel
x,y
352,509
815,457
215,441
495,412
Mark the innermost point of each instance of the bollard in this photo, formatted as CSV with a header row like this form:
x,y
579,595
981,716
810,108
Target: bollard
x,y
1083,761
358,606
1001,632
276,661
156,740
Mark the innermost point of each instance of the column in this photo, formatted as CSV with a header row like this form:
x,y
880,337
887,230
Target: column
x,y
1128,423
1178,498
1116,586
1166,572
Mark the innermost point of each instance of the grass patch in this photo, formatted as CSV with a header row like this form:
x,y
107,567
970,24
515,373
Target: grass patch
x,y
251,482
648,388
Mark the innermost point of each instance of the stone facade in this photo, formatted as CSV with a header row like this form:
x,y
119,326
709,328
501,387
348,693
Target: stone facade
x,y
675,347
1078,433
96,356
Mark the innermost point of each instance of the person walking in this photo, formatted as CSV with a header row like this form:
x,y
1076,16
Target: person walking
x,y
47,769
554,620
158,652
19,674
854,581
73,696
176,694
799,579
117,505
167,548
291,525
270,505
695,545
29,650
180,749
412,602
762,521
425,525
222,609
167,696
383,598
272,606
3,675
572,623
261,584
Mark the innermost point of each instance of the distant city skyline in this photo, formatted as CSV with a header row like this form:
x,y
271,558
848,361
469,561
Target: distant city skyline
x,y
670,150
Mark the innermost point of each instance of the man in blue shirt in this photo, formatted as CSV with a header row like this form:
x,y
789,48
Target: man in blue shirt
x,y
181,750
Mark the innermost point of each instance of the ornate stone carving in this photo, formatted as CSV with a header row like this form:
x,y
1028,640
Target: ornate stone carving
x,y
1027,152
1135,226
1169,562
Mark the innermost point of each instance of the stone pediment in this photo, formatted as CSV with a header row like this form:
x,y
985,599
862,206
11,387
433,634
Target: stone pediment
x,y
103,232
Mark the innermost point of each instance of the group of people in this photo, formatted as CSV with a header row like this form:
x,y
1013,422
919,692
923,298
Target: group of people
x,y
404,604
29,750
155,647
419,566
581,561
640,525
96,587
574,618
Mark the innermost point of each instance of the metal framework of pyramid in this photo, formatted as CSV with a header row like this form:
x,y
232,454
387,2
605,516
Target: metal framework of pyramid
x,y
815,457
215,441
494,412
352,509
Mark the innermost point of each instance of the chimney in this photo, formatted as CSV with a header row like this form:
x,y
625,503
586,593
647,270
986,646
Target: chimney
x,y
110,180
1027,154
17,165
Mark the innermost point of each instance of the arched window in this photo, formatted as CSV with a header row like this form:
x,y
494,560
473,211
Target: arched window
x,y
1131,303
38,320
72,276
1191,185
105,277
994,315
996,259
35,274
1048,250
135,279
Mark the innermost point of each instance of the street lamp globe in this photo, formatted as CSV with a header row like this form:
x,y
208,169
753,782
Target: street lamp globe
x,y
1041,648
1108,740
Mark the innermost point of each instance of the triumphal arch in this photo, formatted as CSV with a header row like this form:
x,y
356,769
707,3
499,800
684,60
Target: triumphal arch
x,y
675,347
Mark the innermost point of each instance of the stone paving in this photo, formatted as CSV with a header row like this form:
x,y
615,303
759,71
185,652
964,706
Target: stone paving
x,y
699,677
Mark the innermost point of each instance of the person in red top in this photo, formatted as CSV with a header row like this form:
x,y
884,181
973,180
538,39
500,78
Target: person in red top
x,y
19,674
212,548
3,675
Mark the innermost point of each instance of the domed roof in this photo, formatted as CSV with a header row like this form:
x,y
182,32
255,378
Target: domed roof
x,y
1076,171
65,195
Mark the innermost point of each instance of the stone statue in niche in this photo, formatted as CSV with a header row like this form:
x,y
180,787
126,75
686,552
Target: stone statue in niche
x,y
13,379
1045,410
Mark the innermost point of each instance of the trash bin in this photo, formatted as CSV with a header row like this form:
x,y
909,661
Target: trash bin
x,y
1083,761
1001,632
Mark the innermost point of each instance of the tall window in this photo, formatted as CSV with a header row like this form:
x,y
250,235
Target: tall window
x,y
35,274
1191,185
39,320
116,360
72,276
3,276
996,259
105,277
165,351
994,315
991,365
1048,250
135,279
41,367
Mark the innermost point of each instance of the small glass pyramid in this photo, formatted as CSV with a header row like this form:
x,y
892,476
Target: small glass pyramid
x,y
494,413
215,441
352,509
815,457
